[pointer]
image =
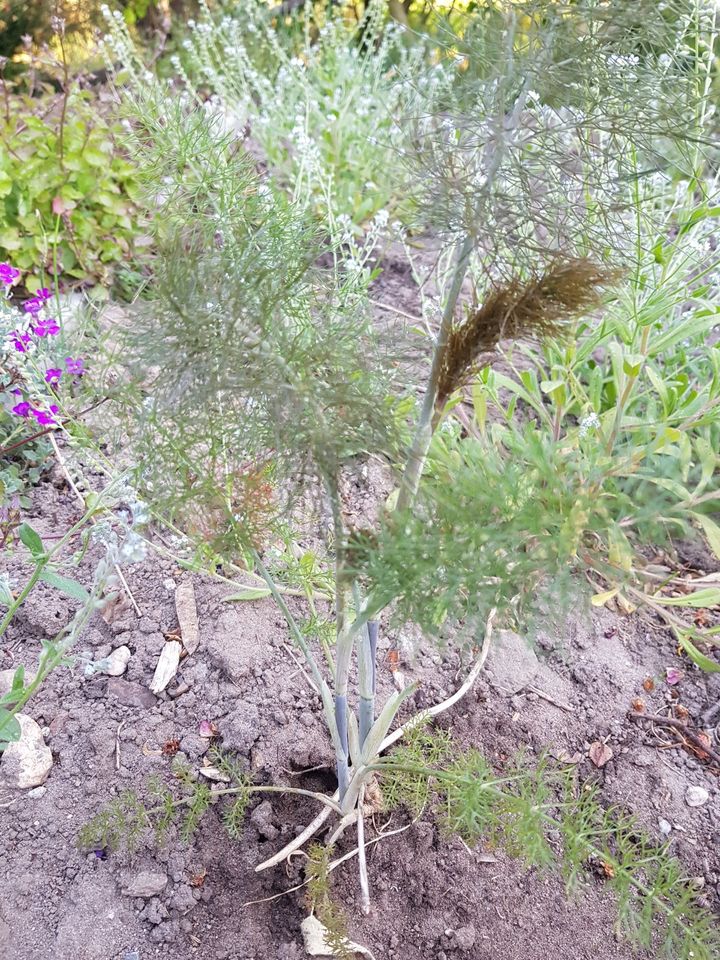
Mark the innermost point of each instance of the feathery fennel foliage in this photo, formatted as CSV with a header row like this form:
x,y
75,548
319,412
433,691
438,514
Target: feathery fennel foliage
x,y
253,355
128,819
536,812
532,152
249,356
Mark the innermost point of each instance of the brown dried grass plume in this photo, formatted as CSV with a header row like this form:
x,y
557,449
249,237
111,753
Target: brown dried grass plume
x,y
523,310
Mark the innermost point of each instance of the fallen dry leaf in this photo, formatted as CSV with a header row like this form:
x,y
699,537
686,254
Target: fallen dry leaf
x,y
198,879
167,665
638,705
701,754
600,753
214,774
186,609
170,747
316,945
648,684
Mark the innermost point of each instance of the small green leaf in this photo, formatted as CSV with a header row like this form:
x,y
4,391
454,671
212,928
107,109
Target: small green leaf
x,y
711,531
6,597
9,729
709,597
705,663
67,586
31,539
250,593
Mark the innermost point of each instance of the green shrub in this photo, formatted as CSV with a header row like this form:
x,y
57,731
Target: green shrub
x,y
66,192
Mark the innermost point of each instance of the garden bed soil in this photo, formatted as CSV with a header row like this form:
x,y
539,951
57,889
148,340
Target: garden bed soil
x,y
433,898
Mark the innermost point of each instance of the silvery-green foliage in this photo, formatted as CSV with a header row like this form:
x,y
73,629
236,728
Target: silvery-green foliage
x,y
325,110
554,111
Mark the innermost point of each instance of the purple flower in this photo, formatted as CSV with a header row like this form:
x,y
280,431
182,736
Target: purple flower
x,y
8,274
673,676
75,367
21,409
47,328
35,304
20,341
43,417
53,374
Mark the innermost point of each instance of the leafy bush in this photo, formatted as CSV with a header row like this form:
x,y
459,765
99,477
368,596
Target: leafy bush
x,y
66,191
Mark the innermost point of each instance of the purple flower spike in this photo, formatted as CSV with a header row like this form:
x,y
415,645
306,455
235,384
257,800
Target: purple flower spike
x,y
53,374
43,294
75,367
44,418
21,409
8,274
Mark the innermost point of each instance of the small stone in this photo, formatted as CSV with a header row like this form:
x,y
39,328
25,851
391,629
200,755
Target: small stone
x,y
261,818
155,912
131,694
37,792
146,884
178,690
240,730
183,900
665,827
696,796
465,937
194,746
116,663
27,762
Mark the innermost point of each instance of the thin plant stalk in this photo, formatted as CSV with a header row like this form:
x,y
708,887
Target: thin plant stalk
x,y
298,637
40,563
418,451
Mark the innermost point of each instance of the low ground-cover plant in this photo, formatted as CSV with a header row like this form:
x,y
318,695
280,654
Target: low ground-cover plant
x,y
255,361
39,386
66,190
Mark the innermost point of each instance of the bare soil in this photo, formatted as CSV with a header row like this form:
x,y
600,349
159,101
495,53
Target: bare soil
x,y
433,898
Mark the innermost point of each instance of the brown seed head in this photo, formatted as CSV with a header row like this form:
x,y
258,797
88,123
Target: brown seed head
x,y
523,310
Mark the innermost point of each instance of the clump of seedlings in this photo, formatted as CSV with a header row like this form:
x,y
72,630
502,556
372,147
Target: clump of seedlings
x,y
260,380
